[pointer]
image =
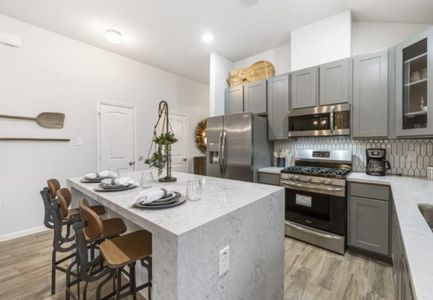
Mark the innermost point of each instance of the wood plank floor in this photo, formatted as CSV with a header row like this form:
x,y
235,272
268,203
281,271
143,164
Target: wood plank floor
x,y
311,273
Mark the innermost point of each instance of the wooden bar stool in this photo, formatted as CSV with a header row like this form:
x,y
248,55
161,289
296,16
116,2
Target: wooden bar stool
x,y
54,187
61,243
115,227
119,252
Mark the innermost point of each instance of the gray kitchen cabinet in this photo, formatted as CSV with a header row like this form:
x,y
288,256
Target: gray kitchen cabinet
x,y
369,218
234,100
414,87
369,224
335,79
305,88
401,276
255,95
268,178
370,95
278,107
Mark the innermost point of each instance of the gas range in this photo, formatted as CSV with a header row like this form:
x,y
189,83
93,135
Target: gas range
x,y
316,202
320,171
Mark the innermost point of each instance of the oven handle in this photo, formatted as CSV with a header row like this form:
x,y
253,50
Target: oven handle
x,y
326,236
304,186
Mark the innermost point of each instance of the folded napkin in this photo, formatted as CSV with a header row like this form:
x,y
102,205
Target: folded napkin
x,y
102,174
118,181
151,195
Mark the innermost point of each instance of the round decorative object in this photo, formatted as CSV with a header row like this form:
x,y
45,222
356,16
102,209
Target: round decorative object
x,y
201,136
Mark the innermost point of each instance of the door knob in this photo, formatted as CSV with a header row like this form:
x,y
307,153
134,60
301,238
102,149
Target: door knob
x,y
184,159
131,163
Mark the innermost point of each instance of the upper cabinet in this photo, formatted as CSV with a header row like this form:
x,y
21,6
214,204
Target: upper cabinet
x,y
255,96
278,107
414,88
370,95
335,82
305,88
234,100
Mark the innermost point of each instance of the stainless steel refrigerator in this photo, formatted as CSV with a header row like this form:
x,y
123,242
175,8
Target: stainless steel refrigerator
x,y
237,146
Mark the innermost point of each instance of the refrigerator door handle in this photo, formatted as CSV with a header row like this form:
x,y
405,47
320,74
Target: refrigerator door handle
x,y
220,162
223,150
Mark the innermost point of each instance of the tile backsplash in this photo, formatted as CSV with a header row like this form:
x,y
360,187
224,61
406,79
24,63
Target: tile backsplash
x,y
409,157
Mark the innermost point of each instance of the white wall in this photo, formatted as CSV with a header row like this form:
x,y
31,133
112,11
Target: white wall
x,y
54,73
193,101
278,56
219,70
321,42
372,36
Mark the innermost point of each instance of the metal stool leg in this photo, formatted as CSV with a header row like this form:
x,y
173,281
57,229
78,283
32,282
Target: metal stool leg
x,y
132,283
119,283
53,272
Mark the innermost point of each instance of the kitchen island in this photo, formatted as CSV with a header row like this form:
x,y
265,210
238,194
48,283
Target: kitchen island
x,y
186,240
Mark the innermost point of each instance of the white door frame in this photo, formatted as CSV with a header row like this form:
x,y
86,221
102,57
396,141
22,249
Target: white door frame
x,y
186,137
98,130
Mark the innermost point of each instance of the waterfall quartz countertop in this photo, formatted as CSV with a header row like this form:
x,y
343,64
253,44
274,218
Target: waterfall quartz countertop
x,y
417,237
220,197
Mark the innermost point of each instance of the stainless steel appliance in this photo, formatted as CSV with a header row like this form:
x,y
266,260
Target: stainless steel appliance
x,y
377,164
320,121
316,201
237,146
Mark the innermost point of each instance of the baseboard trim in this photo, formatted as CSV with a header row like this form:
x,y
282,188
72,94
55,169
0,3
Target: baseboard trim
x,y
22,233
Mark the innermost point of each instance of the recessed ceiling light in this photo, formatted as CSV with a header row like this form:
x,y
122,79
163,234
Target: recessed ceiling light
x,y
113,36
207,37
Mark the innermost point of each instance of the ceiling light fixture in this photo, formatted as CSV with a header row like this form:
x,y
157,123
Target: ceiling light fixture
x,y
207,37
113,36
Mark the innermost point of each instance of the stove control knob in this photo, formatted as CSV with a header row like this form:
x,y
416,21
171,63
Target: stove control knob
x,y
329,181
295,177
308,179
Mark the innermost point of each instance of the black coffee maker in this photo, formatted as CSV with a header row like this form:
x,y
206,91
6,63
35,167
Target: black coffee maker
x,y
377,164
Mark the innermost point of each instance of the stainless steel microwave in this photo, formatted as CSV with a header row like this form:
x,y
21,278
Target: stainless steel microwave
x,y
320,121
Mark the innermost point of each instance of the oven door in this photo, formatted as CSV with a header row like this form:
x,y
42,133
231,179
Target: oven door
x,y
321,211
320,121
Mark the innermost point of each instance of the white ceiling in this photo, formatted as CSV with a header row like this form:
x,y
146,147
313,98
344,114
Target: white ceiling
x,y
167,33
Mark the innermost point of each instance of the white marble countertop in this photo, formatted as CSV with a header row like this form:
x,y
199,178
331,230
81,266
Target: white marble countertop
x,y
220,197
417,237
272,170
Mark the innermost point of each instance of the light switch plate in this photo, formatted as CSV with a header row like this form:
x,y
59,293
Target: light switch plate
x,y
10,39
224,260
79,141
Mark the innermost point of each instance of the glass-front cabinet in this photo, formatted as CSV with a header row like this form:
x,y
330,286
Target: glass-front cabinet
x,y
414,95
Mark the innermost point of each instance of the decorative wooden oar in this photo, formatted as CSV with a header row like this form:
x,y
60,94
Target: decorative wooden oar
x,y
33,140
45,119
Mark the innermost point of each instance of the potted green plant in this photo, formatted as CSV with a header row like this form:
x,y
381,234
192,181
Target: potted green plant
x,y
162,152
162,156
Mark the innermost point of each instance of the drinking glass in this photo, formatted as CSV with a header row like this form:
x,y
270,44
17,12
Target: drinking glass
x,y
194,190
146,180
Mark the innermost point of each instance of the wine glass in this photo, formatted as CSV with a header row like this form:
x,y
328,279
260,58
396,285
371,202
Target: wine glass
x,y
194,190
146,180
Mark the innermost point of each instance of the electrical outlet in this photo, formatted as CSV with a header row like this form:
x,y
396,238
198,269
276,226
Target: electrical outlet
x,y
224,260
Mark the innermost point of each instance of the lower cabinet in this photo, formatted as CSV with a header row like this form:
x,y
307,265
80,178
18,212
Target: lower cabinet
x,y
402,283
369,218
269,178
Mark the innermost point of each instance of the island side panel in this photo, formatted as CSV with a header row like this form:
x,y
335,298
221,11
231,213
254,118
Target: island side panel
x,y
255,235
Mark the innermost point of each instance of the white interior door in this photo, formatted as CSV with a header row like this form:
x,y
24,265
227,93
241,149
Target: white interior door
x,y
179,150
116,137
